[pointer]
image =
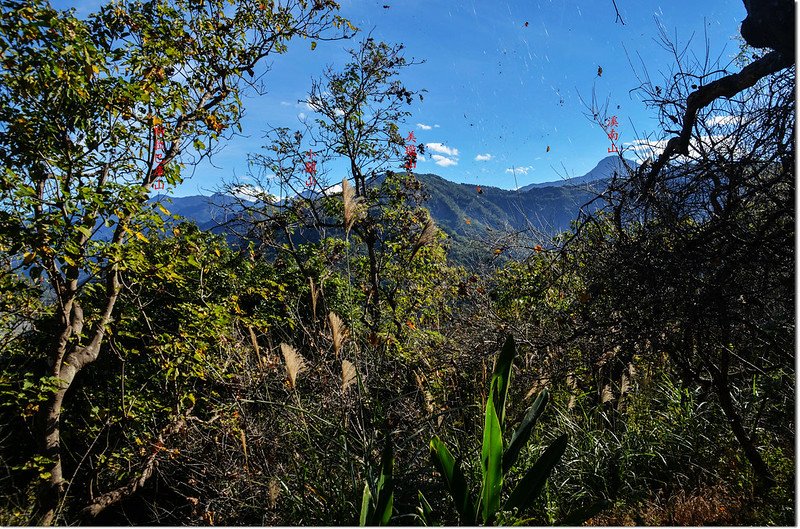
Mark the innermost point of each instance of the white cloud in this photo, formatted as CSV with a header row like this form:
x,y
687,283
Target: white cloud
x,y
441,148
423,126
646,147
483,157
722,120
301,116
421,158
314,105
332,190
436,126
444,161
253,193
520,170
285,104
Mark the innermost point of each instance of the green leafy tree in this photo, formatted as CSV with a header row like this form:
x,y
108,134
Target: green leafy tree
x,y
92,113
187,319
393,252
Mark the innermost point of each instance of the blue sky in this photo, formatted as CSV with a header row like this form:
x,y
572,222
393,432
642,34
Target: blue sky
x,y
503,80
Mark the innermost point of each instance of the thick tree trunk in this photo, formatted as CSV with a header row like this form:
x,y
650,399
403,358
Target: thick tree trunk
x,y
52,487
50,447
67,359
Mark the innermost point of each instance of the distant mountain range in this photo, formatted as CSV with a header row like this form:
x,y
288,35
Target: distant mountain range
x,y
604,170
466,212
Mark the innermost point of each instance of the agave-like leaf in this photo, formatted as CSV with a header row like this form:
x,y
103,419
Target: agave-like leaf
x,y
384,491
532,483
424,510
454,480
491,461
501,378
523,432
365,506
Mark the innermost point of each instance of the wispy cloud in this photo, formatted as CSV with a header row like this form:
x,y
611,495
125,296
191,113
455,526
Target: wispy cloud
x,y
441,149
285,104
722,120
483,157
444,161
423,126
253,193
646,147
520,170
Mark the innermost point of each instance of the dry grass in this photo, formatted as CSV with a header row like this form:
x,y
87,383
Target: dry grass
x,y
712,506
339,332
349,374
294,363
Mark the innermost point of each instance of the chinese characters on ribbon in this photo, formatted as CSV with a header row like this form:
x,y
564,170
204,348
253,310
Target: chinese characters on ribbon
x,y
311,169
613,135
411,152
158,134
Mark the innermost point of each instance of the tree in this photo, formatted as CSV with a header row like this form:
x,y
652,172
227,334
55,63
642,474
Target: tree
x,y
92,113
694,255
393,249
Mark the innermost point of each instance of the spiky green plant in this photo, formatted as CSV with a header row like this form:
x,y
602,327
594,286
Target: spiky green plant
x,y
376,507
498,458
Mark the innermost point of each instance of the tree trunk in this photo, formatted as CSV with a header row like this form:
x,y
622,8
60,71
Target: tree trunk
x,y
67,359
50,446
50,490
373,301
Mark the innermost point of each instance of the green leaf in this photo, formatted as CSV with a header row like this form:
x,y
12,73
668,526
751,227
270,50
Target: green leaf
x,y
531,484
454,480
365,503
501,378
86,232
424,510
385,489
491,461
523,432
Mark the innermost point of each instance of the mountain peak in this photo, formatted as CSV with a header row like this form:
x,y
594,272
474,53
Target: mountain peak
x,y
604,170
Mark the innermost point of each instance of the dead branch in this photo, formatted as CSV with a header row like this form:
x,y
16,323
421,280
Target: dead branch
x,y
108,499
727,87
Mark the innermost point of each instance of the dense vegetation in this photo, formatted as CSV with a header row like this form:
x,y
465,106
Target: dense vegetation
x,y
337,367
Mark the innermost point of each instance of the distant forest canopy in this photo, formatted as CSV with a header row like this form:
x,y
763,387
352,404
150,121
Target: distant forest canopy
x,y
401,349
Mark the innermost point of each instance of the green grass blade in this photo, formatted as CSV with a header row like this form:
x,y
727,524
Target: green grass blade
x,y
501,378
491,461
365,500
454,480
523,433
532,483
